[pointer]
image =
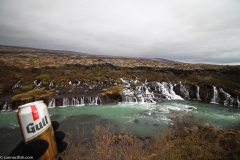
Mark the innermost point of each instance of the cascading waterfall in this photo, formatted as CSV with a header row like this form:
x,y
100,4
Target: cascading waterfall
x,y
238,103
197,93
141,99
66,102
17,85
229,100
150,92
82,101
130,99
77,101
51,103
9,107
94,100
51,84
100,100
79,83
184,90
215,95
73,102
89,100
125,82
37,84
166,89
4,108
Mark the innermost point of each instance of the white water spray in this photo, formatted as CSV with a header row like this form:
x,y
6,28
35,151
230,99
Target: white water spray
x,y
51,103
215,95
238,103
197,93
4,108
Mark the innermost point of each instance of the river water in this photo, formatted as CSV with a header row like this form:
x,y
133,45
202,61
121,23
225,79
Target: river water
x,y
140,119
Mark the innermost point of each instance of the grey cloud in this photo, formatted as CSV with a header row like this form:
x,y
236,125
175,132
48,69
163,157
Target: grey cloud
x,y
191,31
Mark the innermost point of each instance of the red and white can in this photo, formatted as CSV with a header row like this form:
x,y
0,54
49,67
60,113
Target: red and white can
x,y
35,123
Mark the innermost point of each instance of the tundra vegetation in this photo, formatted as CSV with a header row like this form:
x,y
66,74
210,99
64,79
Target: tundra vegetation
x,y
186,138
61,67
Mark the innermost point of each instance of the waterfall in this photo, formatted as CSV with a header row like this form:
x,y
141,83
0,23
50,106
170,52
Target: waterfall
x,y
4,108
92,100
238,103
124,98
150,92
79,83
9,107
135,99
135,81
139,88
215,95
141,99
77,101
73,102
89,100
37,84
166,89
131,99
125,82
82,101
100,101
66,102
229,100
51,84
197,93
183,90
147,90
95,100
51,103
17,85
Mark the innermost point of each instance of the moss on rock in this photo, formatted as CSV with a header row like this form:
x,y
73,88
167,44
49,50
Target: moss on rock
x,y
32,95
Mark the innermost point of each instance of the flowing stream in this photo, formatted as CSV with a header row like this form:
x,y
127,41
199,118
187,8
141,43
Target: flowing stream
x,y
139,118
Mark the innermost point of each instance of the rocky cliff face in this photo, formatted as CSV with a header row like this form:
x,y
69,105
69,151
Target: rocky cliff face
x,y
205,93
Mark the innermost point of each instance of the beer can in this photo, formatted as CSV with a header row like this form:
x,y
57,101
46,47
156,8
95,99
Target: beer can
x,y
35,123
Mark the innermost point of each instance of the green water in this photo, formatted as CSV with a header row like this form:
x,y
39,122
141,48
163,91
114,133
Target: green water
x,y
141,118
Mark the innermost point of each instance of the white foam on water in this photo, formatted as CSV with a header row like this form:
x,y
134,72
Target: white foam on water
x,y
62,106
174,108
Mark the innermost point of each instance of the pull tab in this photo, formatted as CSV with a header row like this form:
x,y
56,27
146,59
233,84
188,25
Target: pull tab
x,y
34,112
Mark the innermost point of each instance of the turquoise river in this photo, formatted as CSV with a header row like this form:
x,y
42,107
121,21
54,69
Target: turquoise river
x,y
141,119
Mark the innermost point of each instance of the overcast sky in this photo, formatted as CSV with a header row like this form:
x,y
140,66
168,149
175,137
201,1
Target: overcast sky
x,y
198,31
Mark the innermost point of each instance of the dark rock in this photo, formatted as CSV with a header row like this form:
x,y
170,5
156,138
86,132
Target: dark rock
x,y
135,121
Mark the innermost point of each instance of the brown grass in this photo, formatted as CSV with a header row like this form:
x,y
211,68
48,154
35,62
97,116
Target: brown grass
x,y
175,143
103,146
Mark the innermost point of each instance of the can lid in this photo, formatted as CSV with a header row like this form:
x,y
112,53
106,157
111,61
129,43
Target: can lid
x,y
29,104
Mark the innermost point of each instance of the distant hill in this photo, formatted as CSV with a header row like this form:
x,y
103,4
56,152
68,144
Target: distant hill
x,y
15,50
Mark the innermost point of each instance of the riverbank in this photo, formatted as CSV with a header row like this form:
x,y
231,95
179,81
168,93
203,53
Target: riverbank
x,y
140,120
